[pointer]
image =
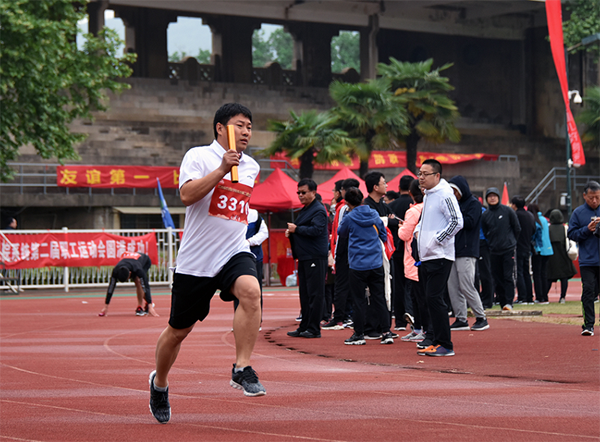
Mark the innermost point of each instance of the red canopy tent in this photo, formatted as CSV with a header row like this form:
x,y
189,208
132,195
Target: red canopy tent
x,y
394,184
276,193
326,189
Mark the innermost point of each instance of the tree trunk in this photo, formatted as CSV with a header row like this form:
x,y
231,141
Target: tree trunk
x,y
412,142
364,169
306,164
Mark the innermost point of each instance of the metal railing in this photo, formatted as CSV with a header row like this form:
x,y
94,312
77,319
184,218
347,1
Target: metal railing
x,y
577,181
167,241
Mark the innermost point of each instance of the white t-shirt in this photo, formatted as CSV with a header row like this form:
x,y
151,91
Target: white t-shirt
x,y
215,226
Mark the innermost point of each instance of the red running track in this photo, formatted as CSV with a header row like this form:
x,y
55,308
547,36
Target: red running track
x,y
68,375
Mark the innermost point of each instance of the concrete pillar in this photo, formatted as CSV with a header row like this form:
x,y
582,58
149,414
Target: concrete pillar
x,y
368,49
149,29
95,12
313,45
232,47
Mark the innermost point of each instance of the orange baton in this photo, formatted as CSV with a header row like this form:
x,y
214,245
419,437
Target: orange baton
x,y
231,143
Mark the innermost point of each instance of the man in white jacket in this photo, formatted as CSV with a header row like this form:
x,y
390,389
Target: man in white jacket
x,y
441,220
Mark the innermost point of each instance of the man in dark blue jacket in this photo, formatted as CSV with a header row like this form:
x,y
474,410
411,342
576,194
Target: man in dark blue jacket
x,y
584,221
461,283
309,239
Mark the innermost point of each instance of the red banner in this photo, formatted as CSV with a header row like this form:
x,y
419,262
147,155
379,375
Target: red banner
x,y
555,31
117,176
73,249
383,159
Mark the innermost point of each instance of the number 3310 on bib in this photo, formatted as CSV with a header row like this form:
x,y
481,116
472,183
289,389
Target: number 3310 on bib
x,y
231,201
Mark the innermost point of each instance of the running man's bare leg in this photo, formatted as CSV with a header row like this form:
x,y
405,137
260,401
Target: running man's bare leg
x,y
167,349
246,319
139,291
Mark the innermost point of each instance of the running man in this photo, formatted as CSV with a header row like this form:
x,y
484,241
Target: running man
x,y
135,266
214,254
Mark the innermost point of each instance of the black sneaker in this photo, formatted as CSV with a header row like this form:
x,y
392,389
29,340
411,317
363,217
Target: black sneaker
x,y
387,338
588,331
355,340
139,311
424,343
333,325
247,380
373,335
159,402
480,324
459,325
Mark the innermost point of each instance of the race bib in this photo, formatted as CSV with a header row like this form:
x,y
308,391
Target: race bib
x,y
130,255
231,201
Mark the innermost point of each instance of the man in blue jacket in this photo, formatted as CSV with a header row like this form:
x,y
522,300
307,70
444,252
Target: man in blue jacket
x,y
309,239
584,221
461,283
364,229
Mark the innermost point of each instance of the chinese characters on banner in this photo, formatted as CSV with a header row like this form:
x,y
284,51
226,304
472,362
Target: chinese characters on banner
x,y
382,159
73,249
117,176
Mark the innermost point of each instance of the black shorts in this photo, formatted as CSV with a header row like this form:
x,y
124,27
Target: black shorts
x,y
191,295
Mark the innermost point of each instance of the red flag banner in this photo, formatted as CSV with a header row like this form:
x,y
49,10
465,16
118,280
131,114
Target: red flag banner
x,y
383,159
117,176
72,249
555,31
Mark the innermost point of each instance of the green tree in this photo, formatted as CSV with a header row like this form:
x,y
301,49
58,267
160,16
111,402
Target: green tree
x,y
345,51
590,117
312,137
431,112
583,22
46,82
371,114
203,56
282,44
261,49
176,56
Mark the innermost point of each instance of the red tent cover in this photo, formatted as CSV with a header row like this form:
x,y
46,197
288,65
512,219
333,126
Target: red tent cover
x,y
276,193
326,189
394,184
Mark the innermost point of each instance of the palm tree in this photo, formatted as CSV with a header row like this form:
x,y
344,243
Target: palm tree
x,y
312,137
590,116
431,112
371,114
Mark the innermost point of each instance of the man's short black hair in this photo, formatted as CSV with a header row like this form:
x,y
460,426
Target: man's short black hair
x,y
391,195
338,185
518,201
307,182
435,165
350,182
372,179
354,196
227,112
405,182
591,185
415,191
122,274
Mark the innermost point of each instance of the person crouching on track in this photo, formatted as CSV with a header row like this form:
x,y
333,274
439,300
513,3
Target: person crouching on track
x,y
364,229
134,266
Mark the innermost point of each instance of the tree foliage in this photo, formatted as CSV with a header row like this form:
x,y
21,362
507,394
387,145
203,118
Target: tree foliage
x,y
345,51
46,82
313,138
203,56
583,22
431,112
590,117
371,114
282,44
262,53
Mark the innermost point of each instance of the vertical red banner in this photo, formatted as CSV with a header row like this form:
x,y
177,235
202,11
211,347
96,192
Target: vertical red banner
x,y
555,31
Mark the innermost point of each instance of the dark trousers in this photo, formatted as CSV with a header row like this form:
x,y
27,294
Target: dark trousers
x,y
436,273
503,273
359,281
311,285
421,314
401,294
341,289
327,301
486,292
524,289
590,281
539,266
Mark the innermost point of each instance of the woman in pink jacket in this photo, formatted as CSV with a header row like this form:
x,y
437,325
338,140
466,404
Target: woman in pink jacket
x,y
411,272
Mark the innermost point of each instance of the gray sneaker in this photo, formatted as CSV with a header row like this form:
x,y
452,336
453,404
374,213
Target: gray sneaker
x,y
159,402
247,380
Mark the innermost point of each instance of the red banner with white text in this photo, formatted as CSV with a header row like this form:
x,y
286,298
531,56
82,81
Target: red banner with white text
x,y
72,249
117,176
382,159
555,31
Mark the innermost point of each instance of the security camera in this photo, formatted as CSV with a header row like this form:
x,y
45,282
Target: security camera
x,y
574,95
